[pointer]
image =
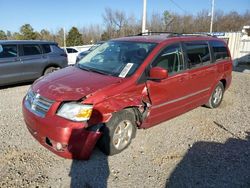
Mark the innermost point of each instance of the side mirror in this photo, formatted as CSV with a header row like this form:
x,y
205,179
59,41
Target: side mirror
x,y
158,73
1,48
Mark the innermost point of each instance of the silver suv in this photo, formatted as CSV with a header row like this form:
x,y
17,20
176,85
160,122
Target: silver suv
x,y
22,61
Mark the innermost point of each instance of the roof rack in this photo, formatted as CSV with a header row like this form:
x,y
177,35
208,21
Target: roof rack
x,y
158,33
172,34
198,34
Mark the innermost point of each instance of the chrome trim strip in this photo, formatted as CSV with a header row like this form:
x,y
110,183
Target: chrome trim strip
x,y
37,104
181,98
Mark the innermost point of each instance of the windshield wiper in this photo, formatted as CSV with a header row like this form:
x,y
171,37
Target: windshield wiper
x,y
93,70
83,67
99,71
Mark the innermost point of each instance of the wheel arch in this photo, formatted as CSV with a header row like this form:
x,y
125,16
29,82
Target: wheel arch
x,y
51,65
224,82
106,109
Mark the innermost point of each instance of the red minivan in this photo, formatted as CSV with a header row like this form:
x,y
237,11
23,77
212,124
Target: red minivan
x,y
125,84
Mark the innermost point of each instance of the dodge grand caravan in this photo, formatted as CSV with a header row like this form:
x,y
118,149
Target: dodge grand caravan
x,y
125,84
22,61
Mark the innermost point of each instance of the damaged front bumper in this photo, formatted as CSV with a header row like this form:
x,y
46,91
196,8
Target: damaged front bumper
x,y
64,138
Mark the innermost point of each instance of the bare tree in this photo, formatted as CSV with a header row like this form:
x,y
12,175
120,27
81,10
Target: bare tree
x,y
91,34
156,22
114,22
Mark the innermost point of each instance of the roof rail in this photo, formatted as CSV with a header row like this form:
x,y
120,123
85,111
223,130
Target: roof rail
x,y
198,34
173,34
158,33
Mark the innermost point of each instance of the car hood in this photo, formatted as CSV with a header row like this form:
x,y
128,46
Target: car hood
x,y
71,83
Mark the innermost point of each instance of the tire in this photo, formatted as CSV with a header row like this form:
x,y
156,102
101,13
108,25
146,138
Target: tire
x,y
50,70
118,133
216,96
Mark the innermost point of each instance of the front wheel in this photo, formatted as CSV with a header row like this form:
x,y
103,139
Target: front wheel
x,y
216,97
118,133
50,70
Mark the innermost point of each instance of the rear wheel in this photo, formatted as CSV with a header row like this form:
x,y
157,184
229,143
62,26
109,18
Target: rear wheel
x,y
50,70
118,133
216,97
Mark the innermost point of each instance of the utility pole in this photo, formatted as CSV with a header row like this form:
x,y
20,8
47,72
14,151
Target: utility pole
x,y
144,16
212,17
64,38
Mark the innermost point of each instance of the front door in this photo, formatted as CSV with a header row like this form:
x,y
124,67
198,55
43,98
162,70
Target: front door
x,y
33,60
10,65
169,96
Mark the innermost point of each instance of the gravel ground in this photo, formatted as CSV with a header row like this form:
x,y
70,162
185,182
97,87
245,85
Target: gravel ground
x,y
202,148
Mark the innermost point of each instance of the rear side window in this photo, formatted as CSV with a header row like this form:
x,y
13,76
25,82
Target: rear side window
x,y
8,51
170,59
71,50
31,49
220,50
46,48
197,54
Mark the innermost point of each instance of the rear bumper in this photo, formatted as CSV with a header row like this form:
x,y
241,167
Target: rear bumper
x,y
55,132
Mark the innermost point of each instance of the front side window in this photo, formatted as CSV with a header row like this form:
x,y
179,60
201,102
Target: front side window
x,y
116,58
8,51
220,50
31,49
197,54
171,59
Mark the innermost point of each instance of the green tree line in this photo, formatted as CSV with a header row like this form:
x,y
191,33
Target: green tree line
x,y
116,24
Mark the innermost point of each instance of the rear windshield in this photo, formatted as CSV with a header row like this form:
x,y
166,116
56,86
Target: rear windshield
x,y
116,58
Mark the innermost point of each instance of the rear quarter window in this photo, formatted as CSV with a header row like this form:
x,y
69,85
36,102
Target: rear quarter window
x,y
220,51
56,49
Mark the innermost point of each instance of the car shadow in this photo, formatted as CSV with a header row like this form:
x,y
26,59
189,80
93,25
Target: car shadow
x,y
15,85
242,64
212,164
93,172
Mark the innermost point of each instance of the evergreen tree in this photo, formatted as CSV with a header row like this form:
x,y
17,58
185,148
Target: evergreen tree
x,y
74,37
27,33
3,35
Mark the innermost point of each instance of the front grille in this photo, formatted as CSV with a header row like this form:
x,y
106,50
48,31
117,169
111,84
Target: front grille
x,y
37,104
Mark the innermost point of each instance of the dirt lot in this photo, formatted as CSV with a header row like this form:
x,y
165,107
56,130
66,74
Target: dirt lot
x,y
202,148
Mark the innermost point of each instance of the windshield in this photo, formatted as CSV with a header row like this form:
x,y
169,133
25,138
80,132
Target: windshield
x,y
94,46
116,58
